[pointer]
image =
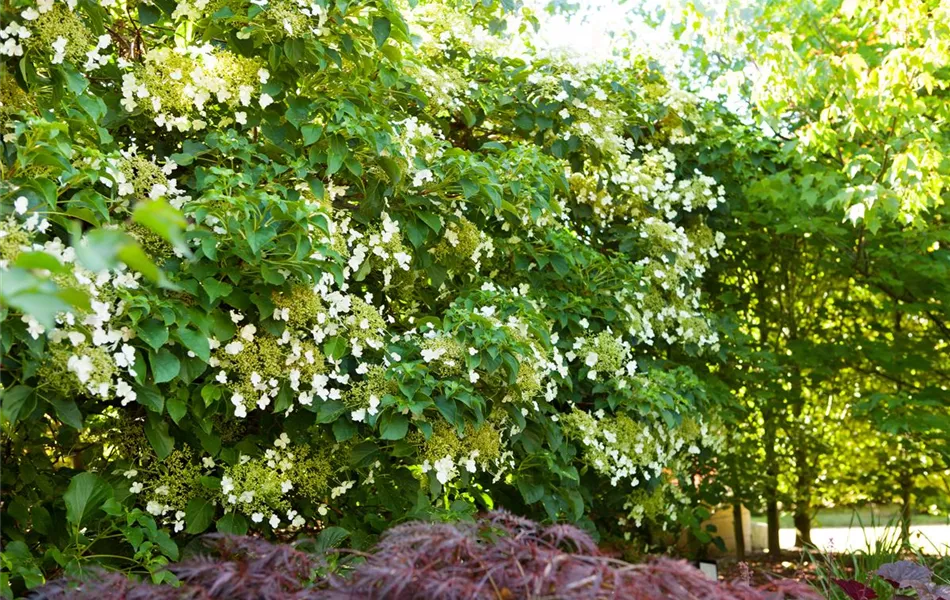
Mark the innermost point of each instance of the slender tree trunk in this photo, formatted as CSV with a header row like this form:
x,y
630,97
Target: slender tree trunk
x,y
907,486
738,530
803,468
802,525
803,493
771,484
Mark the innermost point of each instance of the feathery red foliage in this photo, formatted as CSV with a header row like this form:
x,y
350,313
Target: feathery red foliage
x,y
500,557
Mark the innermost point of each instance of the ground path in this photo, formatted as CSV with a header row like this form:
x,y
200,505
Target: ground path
x,y
930,538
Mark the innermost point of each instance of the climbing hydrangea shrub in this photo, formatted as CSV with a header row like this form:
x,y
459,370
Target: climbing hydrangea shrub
x,y
283,266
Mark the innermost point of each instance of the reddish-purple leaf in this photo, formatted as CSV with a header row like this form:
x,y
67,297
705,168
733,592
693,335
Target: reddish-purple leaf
x,y
904,573
855,589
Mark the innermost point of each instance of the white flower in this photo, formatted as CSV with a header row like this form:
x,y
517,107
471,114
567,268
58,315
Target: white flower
x,y
124,390
248,331
274,521
240,411
257,517
125,357
158,190
430,355
234,347
136,487
373,404
444,469
358,415
266,100
154,508
591,359
81,366
29,14
286,486
473,376
227,484
33,326
21,204
263,75
59,46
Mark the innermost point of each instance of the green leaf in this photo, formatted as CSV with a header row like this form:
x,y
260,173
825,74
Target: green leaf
x,y
392,169
294,49
216,289
165,220
233,524
176,409
149,397
76,82
530,490
67,412
156,430
338,152
85,494
40,260
154,333
344,429
165,365
362,452
137,259
196,342
393,426
433,221
271,275
381,29
331,537
148,14
335,347
198,515
13,400
310,134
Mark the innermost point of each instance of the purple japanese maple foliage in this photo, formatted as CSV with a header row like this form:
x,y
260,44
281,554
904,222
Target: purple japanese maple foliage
x,y
499,557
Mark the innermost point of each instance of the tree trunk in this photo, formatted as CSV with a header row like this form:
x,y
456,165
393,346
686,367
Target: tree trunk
x,y
907,486
771,512
803,493
738,530
771,484
802,525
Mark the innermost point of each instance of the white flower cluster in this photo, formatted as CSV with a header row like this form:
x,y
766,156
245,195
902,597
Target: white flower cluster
x,y
621,449
419,144
89,346
12,36
177,84
383,248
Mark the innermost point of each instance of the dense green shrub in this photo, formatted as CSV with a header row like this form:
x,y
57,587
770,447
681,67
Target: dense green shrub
x,y
277,266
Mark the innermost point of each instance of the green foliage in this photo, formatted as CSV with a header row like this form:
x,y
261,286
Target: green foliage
x,y
329,266
833,287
